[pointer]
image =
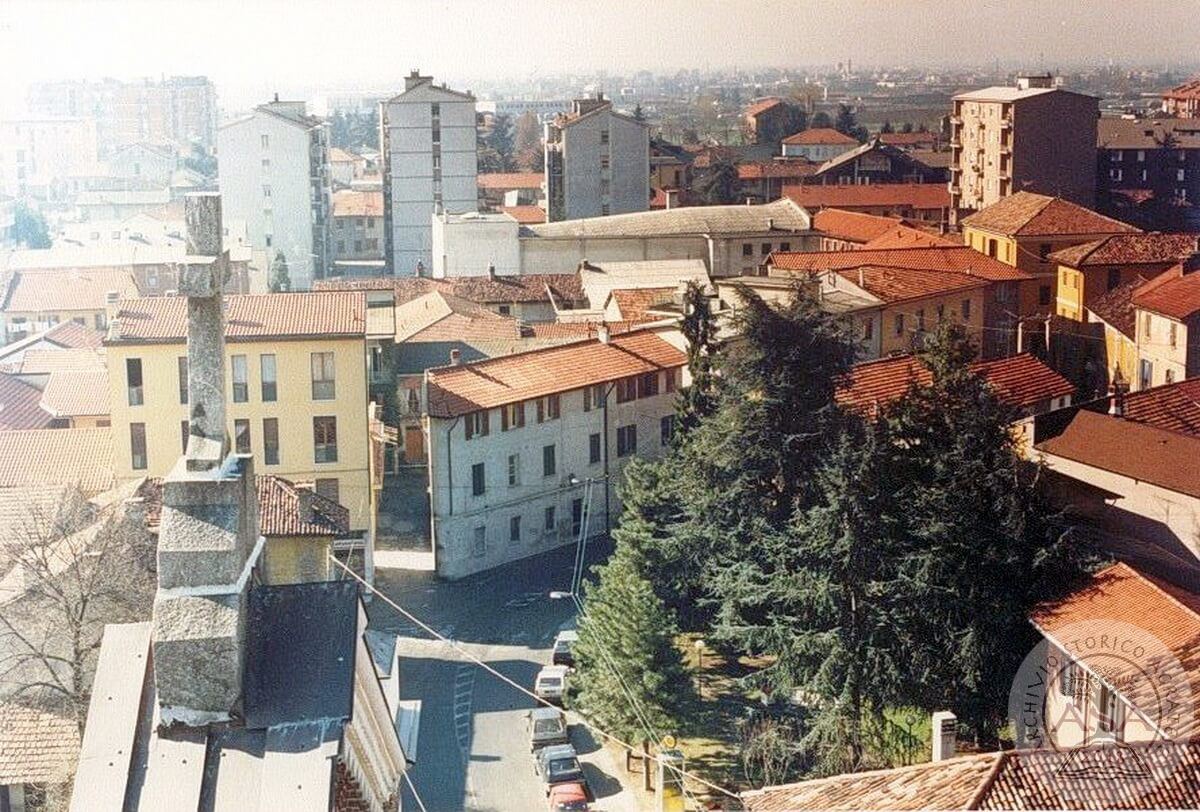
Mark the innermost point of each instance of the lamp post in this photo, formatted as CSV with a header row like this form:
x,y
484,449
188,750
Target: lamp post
x,y
699,644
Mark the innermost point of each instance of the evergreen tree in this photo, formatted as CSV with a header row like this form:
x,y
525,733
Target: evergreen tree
x,y
500,139
626,654
847,123
719,182
280,281
887,128
527,143
638,113
907,128
820,121
29,227
698,399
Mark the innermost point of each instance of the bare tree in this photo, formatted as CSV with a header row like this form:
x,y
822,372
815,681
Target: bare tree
x,y
71,567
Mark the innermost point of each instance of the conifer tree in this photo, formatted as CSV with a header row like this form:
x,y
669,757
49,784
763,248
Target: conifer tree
x,y
280,281
698,399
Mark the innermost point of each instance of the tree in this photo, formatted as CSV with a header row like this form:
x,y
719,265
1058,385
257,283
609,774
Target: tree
x,y
847,123
638,114
499,139
631,675
201,161
77,569
697,400
29,227
527,143
719,184
820,121
907,128
887,127
280,281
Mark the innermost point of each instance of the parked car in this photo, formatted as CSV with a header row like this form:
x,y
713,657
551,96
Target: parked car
x,y
547,726
563,648
551,684
568,798
559,764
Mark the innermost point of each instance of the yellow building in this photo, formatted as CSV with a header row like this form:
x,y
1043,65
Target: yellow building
x,y
296,390
1024,229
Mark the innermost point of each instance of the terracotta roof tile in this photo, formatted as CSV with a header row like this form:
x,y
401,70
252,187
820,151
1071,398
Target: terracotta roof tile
x,y
1173,406
1188,90
357,203
77,393
959,259
41,362
852,225
21,405
525,215
1028,214
478,289
438,316
909,139
270,315
455,391
73,335
65,290
1129,249
761,106
81,457
899,284
278,509
338,155
924,196
509,180
821,135
634,304
1116,308
758,170
906,236
36,747
1021,381
1175,293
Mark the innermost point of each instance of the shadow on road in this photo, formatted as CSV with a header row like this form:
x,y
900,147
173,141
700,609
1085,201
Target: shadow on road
x,y
600,784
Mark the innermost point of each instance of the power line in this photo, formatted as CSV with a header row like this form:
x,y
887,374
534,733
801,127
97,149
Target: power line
x,y
434,633
413,789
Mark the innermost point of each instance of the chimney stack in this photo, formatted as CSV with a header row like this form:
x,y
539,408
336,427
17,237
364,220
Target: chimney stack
x,y
944,734
304,501
455,358
491,271
1116,393
603,334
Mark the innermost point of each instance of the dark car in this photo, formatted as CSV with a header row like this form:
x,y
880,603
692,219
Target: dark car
x,y
568,798
563,644
559,764
547,727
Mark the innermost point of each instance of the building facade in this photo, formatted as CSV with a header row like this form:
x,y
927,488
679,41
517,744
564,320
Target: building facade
x,y
273,173
1031,137
427,141
36,152
1148,171
597,162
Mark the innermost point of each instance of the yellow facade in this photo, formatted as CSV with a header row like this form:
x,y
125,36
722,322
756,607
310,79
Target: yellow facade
x,y
902,321
162,412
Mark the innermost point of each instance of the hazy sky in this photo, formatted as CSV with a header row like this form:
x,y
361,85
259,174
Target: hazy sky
x,y
250,47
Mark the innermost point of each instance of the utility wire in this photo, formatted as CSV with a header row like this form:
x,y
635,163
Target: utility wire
x,y
413,789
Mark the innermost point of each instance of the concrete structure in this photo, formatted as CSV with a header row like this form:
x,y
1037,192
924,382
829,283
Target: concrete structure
x,y
544,109
1032,137
1167,326
119,204
1149,171
358,232
36,152
922,202
427,139
597,162
475,244
524,450
274,175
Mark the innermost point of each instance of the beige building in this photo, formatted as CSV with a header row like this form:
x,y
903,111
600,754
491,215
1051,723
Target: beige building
x,y
1167,327
357,229
1033,137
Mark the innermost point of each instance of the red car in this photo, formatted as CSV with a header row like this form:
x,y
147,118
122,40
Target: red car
x,y
568,798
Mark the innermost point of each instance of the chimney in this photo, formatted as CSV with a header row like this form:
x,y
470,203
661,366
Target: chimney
x,y
304,501
1116,393
208,541
455,358
944,733
491,271
672,196
603,334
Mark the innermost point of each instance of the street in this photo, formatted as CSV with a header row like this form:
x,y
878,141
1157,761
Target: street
x,y
473,749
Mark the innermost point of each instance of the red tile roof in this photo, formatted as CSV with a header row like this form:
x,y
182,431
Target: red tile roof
x,y
459,390
356,203
247,318
503,181
1188,90
1167,613
73,335
1026,214
761,106
278,509
923,196
45,361
1116,308
21,405
1129,249
1137,450
52,291
36,747
81,457
478,289
893,285
852,226
525,215
1174,293
776,169
634,303
77,393
908,139
1173,406
1022,381
820,135
959,259
906,236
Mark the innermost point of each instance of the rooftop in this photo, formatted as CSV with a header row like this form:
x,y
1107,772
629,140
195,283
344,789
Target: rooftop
x,y
874,145
527,215
46,361
959,259
913,195
36,747
820,135
77,393
908,236
1026,214
1116,308
1129,249
776,169
459,390
356,203
21,405
1188,90
637,303
503,181
598,279
81,457
1175,293
778,216
1173,407
761,106
898,284
65,290
1006,93
1148,134
479,289
853,226
163,319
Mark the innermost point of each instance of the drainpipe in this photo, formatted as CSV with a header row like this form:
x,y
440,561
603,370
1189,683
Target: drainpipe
x,y
433,517
607,479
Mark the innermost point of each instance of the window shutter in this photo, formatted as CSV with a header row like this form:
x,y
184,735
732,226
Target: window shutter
x,y
504,418
541,410
469,426
484,430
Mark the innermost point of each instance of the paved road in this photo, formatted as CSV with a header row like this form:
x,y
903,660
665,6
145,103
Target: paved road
x,y
472,752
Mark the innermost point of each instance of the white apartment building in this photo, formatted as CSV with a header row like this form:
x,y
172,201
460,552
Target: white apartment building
x,y
427,142
273,173
35,152
597,162
525,449
473,243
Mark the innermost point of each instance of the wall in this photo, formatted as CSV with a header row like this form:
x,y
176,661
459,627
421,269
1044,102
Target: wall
x,y
1168,359
563,254
628,175
297,559
1054,146
357,238
456,512
819,153
1075,705
294,408
34,152
466,246
892,342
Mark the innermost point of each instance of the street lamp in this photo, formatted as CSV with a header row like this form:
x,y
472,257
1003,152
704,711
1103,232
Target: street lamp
x,y
699,644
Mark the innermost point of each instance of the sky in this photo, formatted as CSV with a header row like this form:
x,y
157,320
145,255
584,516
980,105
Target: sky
x,y
250,48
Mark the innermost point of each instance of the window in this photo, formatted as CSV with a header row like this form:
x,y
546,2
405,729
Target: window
x,y
547,408
965,309
747,249
605,209
241,436
991,248
604,136
512,416
1067,677
1145,373
514,528
437,161
266,190
647,385
478,482
341,246
548,518
1044,295
593,397
899,322
183,379
868,328
1179,174
241,385
183,436
325,439
435,109
327,487
626,440
266,369
785,246
576,516
266,163
1174,333
941,313
476,423
137,446
323,384
133,380
593,448
1112,712
1044,250
1146,324
666,428
1114,278
270,441
669,383
514,470
266,141
1169,377
1118,156
549,462
504,310
626,390
479,542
